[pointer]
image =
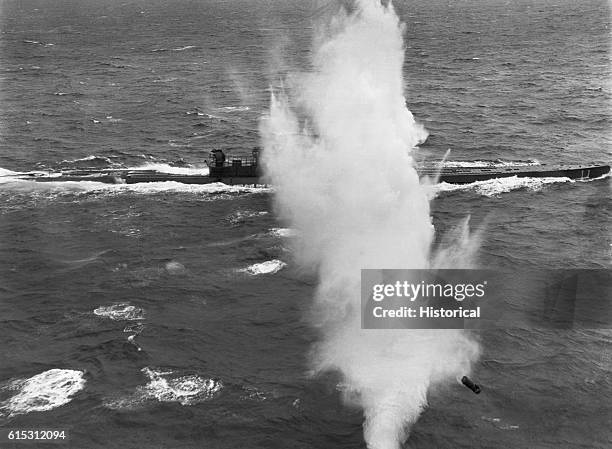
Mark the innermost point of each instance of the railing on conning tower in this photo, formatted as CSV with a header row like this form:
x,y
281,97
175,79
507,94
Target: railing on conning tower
x,y
234,167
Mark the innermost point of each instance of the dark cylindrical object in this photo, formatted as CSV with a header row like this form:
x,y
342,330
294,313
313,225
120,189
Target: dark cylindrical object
x,y
471,385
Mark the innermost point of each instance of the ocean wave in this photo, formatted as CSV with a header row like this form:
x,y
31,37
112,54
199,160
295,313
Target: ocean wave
x,y
252,394
166,386
267,267
91,158
203,114
497,422
495,163
33,42
165,168
120,312
240,216
15,184
42,392
166,80
282,232
235,108
175,144
466,59
162,49
175,268
61,93
186,47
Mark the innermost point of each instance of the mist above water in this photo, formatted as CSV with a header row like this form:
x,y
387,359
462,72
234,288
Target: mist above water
x,y
338,149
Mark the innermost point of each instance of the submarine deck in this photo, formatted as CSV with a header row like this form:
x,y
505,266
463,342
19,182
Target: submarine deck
x,y
466,175
451,175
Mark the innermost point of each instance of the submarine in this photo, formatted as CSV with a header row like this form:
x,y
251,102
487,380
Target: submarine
x,y
247,171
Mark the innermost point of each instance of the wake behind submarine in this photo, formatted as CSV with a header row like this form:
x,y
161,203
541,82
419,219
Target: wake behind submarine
x,y
247,171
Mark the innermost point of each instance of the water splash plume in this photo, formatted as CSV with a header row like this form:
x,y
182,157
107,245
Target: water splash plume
x,y
337,148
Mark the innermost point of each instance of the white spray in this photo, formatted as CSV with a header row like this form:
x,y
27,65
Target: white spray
x,y
346,181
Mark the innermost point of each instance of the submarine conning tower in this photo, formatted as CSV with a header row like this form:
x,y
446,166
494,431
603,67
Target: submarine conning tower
x,y
235,167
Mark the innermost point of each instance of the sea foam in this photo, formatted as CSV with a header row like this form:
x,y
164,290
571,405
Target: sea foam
x,y
267,267
282,232
120,312
167,386
45,391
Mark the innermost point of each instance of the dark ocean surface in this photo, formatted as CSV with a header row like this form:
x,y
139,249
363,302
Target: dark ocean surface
x,y
181,304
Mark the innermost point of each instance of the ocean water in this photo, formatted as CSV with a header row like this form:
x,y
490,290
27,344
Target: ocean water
x,y
171,316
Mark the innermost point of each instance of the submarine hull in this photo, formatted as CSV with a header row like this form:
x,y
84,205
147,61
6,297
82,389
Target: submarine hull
x,y
468,175
250,175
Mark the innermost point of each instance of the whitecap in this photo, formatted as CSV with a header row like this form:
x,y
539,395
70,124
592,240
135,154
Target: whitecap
x,y
165,168
175,144
186,47
91,157
203,114
120,312
242,215
44,391
282,232
175,268
267,267
235,108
